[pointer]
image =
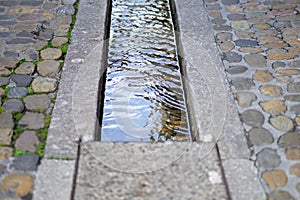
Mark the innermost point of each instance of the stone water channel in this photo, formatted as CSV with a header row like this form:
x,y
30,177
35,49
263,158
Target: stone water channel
x,y
144,97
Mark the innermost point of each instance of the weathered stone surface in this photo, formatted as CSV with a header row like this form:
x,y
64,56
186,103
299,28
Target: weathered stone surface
x,y
226,46
268,158
280,195
46,34
250,49
4,72
236,17
295,109
37,102
5,135
245,99
261,26
241,83
293,153
222,27
263,76
8,62
275,178
13,105
28,141
295,169
6,120
271,90
253,118
20,184
31,55
2,92
244,34
232,57
295,64
17,92
5,152
48,67
289,139
51,54
215,14
245,43
237,69
294,87
25,68
32,120
4,81
255,60
278,64
27,162
268,39
66,9
43,84
282,123
281,56
39,44
273,106
260,137
21,80
234,8
240,25
292,98
276,51
58,41
288,72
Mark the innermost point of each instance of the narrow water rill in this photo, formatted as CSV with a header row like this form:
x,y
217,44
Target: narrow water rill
x,y
144,98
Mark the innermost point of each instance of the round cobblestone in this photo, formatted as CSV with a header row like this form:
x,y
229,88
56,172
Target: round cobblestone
x,y
237,69
51,54
294,87
20,184
275,178
268,158
273,106
48,67
224,37
17,92
37,102
260,137
59,41
44,84
245,99
232,57
253,118
289,140
280,195
293,154
25,68
226,46
5,152
282,123
242,84
240,25
295,169
32,120
5,136
28,141
6,120
255,60
21,79
263,76
271,90
13,105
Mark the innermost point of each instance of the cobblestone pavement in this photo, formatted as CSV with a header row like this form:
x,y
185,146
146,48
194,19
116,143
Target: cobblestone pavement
x,y
34,39
260,47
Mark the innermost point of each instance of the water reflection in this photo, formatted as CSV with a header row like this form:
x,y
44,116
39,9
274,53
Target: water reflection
x,y
143,96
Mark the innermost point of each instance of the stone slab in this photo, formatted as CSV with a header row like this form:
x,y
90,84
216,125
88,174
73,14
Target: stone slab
x,y
54,179
148,171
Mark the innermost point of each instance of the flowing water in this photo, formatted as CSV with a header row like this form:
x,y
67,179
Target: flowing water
x,y
144,99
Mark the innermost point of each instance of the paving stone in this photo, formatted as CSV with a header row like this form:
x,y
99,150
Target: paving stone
x,y
13,105
25,68
46,34
278,64
4,72
253,118
8,62
287,18
51,54
5,152
48,67
20,184
27,141
295,169
17,92
4,81
66,9
240,25
260,137
293,154
21,80
261,26
256,60
245,43
281,56
295,64
59,41
239,69
27,162
218,21
230,2
20,41
281,25
295,109
275,45
280,195
69,2
294,87
273,106
289,140
215,14
214,7
37,101
282,123
39,44
263,76
290,37
268,158
295,98
224,36
44,84
268,39
243,34
245,99
271,90
31,55
251,49
2,92
297,120
241,83
6,120
288,72
232,57
5,135
222,28
236,17
234,9
275,178
32,120
294,43
226,46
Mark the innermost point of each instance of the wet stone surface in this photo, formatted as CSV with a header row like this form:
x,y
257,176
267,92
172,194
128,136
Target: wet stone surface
x,y
265,35
143,94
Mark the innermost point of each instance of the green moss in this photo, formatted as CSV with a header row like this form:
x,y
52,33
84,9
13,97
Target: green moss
x,y
64,48
48,121
18,152
56,158
18,116
49,45
30,90
1,109
17,131
42,134
40,151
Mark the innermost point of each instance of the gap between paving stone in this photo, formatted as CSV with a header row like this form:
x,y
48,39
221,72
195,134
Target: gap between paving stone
x,y
213,115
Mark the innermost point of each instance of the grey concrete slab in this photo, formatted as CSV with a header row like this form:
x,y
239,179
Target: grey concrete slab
x,y
54,180
74,114
148,171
